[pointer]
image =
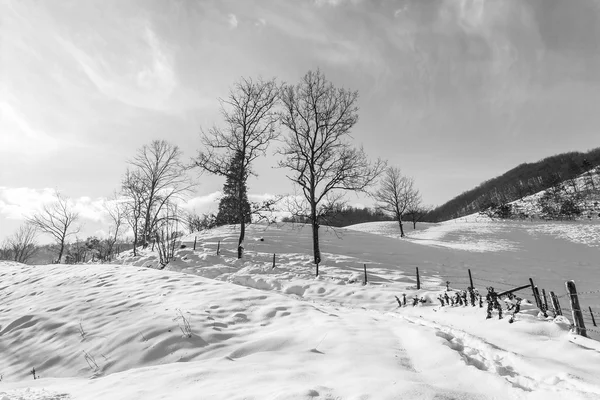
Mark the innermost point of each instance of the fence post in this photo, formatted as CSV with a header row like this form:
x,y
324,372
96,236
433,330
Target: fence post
x,y
218,247
555,304
418,280
195,239
535,295
545,299
576,310
471,279
273,261
365,282
592,315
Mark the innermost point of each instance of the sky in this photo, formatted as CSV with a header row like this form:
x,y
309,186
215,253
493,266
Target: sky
x,y
454,92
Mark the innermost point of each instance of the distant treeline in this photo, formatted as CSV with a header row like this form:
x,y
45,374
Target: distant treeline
x,y
524,180
348,216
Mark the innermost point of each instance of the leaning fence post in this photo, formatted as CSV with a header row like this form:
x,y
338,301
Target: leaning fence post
x,y
365,282
535,295
273,261
471,279
195,239
539,299
575,309
418,280
555,304
592,315
218,246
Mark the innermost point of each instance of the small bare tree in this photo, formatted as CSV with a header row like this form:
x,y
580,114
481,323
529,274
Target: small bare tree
x,y
163,179
21,246
318,153
167,232
250,119
133,190
396,194
115,209
57,219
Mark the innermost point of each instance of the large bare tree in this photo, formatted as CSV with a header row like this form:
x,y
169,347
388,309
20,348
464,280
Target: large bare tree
x,y
21,245
322,161
250,126
163,180
57,219
397,195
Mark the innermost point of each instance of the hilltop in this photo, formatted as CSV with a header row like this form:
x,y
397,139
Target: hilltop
x,y
524,180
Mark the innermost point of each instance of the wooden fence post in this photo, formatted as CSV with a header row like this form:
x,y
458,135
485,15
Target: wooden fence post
x,y
195,240
555,304
365,282
539,299
418,280
592,315
273,261
535,295
471,279
545,299
218,247
576,309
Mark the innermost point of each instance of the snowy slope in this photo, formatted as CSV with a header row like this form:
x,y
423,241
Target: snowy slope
x,y
264,333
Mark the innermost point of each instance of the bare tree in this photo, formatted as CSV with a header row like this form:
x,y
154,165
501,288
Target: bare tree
x,y
115,208
417,213
396,194
250,119
21,246
57,220
322,162
163,179
133,189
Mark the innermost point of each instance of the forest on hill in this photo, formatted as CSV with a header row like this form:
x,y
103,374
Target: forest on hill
x,y
524,180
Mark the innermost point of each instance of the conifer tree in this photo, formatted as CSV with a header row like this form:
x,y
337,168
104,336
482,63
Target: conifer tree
x,y
235,195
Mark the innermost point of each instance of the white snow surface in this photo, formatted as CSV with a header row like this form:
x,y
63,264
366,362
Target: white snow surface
x,y
210,326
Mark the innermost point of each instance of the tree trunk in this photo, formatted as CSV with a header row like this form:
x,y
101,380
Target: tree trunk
x,y
60,252
401,227
241,240
134,241
241,216
315,234
414,225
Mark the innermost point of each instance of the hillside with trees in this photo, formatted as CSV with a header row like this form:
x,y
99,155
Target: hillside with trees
x,y
524,180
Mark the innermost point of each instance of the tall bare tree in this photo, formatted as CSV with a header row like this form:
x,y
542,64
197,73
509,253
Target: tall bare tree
x,y
163,178
57,219
250,122
21,246
317,151
396,194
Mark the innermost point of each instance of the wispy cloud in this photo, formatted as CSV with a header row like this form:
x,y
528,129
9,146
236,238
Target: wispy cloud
x,y
19,137
232,21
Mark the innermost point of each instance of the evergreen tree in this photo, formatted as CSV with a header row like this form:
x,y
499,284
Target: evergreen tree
x,y
235,195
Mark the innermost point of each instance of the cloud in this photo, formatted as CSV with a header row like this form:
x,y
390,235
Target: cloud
x,y
21,203
142,77
19,137
203,204
335,3
232,20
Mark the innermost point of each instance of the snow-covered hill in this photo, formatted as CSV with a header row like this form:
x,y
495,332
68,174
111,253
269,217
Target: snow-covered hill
x,y
211,326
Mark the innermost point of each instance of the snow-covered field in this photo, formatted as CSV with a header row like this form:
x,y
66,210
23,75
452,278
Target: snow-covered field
x,y
213,327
